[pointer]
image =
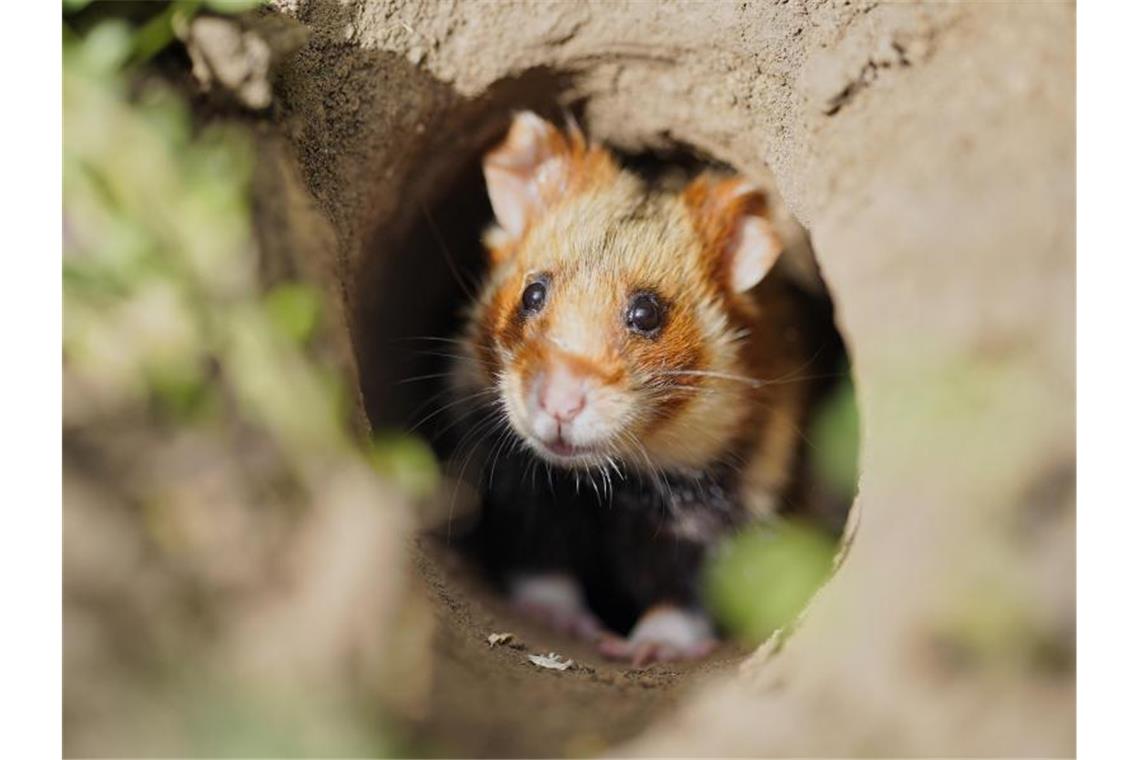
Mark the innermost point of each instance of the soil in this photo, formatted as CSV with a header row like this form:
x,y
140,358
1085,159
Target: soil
x,y
493,702
929,150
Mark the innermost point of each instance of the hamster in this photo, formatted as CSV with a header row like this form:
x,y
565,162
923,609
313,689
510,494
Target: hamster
x,y
631,368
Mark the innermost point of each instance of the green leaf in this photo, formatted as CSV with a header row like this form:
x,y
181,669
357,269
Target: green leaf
x,y
764,577
835,437
233,6
185,395
407,460
295,310
106,47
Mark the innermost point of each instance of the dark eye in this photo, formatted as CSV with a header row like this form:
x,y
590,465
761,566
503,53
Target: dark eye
x,y
534,297
644,314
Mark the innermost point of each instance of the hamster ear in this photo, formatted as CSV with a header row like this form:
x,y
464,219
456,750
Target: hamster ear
x,y
731,216
528,170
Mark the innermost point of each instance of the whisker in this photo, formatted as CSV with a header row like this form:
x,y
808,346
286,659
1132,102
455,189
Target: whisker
x,y
450,405
481,407
431,338
443,354
447,254
488,428
504,437
717,375
421,378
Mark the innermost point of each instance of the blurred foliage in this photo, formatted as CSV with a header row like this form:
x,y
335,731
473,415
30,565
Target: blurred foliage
x,y
295,309
835,441
762,579
155,225
160,270
407,461
225,723
155,25
169,334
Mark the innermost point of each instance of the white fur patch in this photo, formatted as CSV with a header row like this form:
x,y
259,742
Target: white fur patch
x,y
683,629
554,591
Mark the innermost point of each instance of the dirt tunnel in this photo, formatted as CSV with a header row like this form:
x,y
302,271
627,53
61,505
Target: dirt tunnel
x,y
418,272
884,128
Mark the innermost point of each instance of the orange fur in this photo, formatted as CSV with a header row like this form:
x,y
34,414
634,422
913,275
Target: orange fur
x,y
601,235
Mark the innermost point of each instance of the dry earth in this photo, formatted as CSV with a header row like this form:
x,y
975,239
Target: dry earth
x,y
929,151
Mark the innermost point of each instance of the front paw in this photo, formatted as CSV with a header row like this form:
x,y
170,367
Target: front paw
x,y
664,633
556,601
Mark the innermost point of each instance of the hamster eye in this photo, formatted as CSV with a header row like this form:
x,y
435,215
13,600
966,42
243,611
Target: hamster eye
x,y
534,297
644,314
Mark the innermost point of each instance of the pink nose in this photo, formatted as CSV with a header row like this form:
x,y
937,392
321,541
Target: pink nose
x,y
562,394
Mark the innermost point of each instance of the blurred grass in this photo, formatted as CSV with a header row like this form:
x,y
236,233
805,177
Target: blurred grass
x,y
834,434
169,334
407,461
161,294
762,578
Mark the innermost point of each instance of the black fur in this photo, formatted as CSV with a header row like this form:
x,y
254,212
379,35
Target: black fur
x,y
644,542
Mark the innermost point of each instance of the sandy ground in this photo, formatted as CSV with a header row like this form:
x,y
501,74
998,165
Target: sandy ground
x,y
929,151
488,701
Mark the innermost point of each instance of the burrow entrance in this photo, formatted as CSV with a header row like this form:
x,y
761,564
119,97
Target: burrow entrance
x,y
423,265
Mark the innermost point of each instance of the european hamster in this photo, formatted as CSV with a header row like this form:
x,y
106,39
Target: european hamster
x,y
631,368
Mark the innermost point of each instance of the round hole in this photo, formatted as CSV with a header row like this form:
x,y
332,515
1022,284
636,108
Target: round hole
x,y
426,266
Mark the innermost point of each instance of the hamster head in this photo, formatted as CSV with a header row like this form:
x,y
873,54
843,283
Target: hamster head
x,y
611,323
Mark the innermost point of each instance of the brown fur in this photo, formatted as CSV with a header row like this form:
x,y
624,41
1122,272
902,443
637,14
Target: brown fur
x,y
601,236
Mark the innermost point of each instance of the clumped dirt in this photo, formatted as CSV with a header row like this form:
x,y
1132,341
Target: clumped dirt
x,y
929,149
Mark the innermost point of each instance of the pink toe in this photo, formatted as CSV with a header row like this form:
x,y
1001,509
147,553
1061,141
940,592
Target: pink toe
x,y
701,649
613,647
645,653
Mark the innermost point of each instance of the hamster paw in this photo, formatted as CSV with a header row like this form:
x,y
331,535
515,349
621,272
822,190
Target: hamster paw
x,y
663,634
556,600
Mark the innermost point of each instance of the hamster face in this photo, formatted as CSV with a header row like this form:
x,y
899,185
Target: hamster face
x,y
596,346
606,330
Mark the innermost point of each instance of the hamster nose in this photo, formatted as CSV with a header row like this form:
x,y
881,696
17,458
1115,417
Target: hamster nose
x,y
562,395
